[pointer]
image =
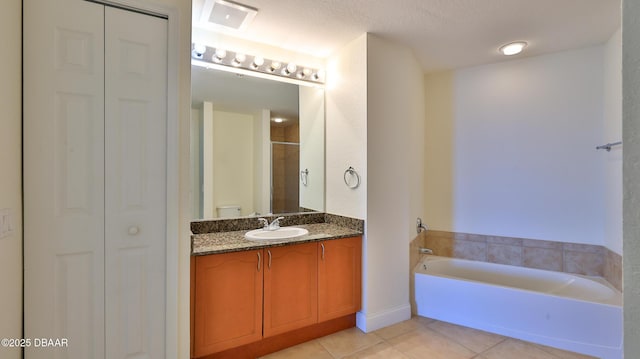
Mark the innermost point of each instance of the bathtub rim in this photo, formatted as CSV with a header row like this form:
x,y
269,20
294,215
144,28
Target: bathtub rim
x,y
417,269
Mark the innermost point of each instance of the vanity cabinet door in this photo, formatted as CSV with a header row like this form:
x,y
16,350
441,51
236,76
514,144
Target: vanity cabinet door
x,y
339,277
228,301
290,288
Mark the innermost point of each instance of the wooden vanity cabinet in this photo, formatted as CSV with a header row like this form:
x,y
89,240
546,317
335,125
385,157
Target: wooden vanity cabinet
x,y
290,288
248,303
228,301
339,277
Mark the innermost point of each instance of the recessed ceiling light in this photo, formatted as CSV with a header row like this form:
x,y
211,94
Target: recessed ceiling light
x,y
278,120
513,48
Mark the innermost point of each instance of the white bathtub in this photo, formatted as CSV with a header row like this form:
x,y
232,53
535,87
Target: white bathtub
x,y
566,311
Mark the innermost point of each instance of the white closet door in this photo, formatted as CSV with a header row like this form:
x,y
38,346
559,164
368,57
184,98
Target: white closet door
x,y
135,170
64,176
95,209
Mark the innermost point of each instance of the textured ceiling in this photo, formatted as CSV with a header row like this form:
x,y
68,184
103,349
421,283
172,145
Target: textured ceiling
x,y
443,34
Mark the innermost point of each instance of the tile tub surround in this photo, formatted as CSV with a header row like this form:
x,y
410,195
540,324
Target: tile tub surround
x,y
573,258
613,269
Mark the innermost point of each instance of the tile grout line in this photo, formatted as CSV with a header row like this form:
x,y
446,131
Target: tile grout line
x,y
382,340
504,339
420,327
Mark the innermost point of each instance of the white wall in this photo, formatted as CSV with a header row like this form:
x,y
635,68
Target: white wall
x,y
631,174
239,146
395,173
312,146
233,152
613,133
523,148
262,163
375,123
439,150
346,128
10,174
196,162
208,172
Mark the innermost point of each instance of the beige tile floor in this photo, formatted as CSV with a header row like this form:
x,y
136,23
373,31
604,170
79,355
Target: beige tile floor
x,y
420,338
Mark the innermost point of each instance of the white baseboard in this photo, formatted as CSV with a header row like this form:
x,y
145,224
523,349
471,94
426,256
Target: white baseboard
x,y
374,321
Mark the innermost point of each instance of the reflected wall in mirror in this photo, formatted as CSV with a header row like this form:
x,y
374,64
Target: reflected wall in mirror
x,y
257,145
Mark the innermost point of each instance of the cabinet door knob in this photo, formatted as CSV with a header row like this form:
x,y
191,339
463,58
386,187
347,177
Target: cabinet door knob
x,y
133,230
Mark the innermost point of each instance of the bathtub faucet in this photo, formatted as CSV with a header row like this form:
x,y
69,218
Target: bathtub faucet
x,y
425,250
420,226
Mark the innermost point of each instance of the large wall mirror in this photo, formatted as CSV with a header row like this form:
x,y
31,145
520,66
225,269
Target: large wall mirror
x,y
257,145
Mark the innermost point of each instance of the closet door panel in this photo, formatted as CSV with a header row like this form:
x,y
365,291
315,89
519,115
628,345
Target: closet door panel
x,y
63,176
135,182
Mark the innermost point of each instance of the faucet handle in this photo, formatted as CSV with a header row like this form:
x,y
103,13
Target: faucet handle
x,y
266,223
275,224
420,226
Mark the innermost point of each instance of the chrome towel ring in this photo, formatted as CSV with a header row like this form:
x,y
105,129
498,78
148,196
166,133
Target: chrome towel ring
x,y
349,175
304,176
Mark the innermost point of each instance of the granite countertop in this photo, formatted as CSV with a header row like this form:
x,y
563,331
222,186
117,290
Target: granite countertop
x,y
223,242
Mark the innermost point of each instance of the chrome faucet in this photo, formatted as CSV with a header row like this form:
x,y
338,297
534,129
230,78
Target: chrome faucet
x,y
274,225
420,226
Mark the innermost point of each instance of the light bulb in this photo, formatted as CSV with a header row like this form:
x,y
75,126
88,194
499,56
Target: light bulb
x,y
291,68
274,66
198,50
318,75
219,55
257,62
238,60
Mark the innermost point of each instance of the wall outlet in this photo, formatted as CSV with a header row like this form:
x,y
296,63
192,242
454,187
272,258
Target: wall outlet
x,y
6,225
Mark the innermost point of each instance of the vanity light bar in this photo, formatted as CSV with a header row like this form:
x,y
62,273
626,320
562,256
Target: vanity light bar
x,y
256,63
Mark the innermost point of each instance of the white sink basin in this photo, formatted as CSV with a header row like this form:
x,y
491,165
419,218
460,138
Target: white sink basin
x,y
278,235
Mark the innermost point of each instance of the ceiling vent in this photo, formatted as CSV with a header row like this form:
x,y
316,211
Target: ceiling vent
x,y
227,14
